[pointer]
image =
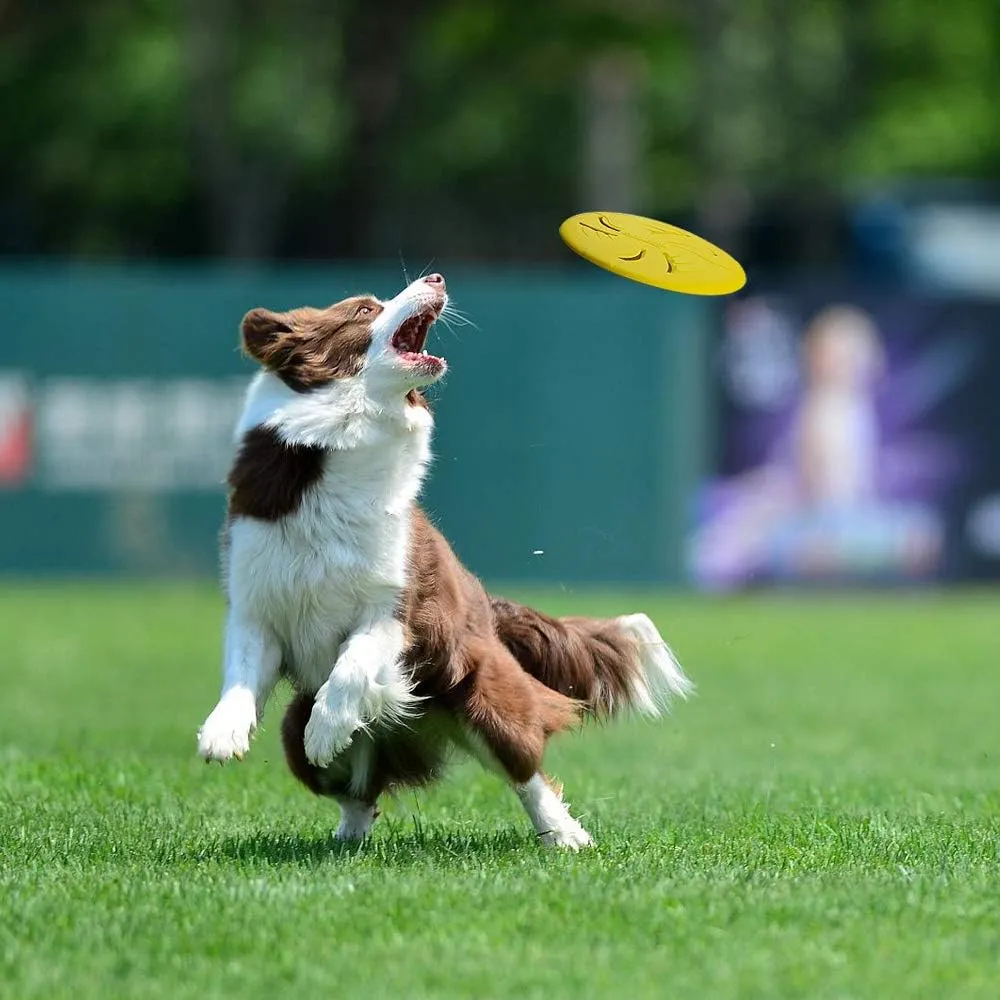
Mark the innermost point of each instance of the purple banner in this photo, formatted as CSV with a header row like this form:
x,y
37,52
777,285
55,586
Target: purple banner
x,y
859,441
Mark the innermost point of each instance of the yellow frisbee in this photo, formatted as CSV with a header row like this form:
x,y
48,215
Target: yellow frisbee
x,y
652,252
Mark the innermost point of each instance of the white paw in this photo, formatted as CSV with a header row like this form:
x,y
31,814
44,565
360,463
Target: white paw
x,y
571,837
355,822
348,832
226,732
328,733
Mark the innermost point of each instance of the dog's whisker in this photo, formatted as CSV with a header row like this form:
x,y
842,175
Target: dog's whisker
x,y
457,316
447,324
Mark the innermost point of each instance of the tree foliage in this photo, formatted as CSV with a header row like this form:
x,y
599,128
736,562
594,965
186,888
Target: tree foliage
x,y
260,128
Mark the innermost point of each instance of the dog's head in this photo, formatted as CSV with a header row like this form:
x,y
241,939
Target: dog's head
x,y
383,341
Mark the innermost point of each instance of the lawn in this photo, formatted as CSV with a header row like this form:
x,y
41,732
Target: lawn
x,y
821,821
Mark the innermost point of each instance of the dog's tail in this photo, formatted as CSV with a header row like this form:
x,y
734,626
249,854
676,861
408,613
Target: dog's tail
x,y
609,665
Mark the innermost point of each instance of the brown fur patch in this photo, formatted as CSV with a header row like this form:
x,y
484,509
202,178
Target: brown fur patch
x,y
584,658
307,347
269,476
512,713
456,658
409,756
293,728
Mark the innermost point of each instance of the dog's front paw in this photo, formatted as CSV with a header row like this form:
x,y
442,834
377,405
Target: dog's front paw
x,y
328,733
571,837
226,732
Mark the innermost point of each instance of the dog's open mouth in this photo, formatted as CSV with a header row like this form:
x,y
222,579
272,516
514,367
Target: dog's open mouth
x,y
408,341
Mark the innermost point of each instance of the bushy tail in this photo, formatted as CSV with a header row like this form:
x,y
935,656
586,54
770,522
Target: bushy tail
x,y
610,665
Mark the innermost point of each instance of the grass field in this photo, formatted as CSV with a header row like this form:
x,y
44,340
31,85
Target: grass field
x,y
821,821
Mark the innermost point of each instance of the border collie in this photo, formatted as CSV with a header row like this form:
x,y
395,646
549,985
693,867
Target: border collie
x,y
336,581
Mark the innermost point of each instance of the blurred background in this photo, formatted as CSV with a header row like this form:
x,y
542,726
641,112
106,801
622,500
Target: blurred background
x,y
169,164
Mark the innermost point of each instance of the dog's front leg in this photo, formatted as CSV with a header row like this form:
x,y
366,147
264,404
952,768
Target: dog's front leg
x,y
366,686
250,668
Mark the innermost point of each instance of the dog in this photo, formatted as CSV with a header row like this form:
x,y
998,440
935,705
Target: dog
x,y
337,581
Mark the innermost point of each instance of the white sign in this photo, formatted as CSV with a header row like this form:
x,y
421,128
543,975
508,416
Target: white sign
x,y
155,435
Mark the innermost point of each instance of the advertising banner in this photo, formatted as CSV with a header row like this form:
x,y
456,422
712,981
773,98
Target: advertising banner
x,y
858,441
567,439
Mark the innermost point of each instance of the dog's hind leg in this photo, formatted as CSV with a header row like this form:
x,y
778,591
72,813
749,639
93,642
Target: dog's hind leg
x,y
550,815
508,716
347,779
356,818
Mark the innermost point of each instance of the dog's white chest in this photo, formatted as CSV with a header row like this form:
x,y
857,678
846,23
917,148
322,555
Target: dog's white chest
x,y
311,588
311,577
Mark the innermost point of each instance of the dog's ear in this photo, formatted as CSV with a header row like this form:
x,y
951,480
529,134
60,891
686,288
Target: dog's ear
x,y
261,331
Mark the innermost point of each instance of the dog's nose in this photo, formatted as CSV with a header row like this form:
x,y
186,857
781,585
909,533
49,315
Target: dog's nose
x,y
435,279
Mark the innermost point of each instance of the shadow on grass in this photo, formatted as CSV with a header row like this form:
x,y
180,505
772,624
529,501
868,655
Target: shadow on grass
x,y
394,845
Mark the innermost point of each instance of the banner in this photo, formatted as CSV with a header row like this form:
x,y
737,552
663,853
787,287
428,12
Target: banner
x,y
857,441
66,434
567,440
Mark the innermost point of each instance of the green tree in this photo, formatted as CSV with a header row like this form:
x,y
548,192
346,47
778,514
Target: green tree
x,y
255,128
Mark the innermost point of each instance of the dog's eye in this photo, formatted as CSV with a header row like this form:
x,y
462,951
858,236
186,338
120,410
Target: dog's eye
x,y
364,310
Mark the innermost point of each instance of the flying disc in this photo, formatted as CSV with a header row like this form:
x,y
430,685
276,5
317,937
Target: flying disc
x,y
654,253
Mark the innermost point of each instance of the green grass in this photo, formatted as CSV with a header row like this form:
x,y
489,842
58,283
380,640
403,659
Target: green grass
x,y
821,821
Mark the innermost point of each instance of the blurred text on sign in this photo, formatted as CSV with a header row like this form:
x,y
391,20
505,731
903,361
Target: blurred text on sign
x,y
66,434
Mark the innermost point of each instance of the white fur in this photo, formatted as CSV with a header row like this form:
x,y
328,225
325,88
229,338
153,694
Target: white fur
x,y
250,667
356,819
365,685
226,732
318,589
662,676
362,757
550,815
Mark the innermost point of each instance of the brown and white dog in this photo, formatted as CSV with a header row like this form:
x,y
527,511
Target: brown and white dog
x,y
337,581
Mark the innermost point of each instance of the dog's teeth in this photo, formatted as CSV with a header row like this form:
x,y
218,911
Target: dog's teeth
x,y
424,351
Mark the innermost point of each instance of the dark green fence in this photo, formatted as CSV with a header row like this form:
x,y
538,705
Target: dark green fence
x,y
569,440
